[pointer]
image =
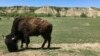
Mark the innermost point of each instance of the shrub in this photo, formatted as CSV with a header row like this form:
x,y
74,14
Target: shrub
x,y
43,15
83,15
57,15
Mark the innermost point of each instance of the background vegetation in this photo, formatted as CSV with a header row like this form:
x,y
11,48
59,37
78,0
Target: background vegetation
x,y
66,30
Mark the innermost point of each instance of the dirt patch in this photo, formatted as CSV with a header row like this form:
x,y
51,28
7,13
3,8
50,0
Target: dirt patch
x,y
63,49
86,24
26,53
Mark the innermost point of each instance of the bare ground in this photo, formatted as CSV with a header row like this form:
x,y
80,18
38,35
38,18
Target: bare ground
x,y
63,49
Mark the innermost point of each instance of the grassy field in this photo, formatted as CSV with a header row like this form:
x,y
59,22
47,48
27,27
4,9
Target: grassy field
x,y
67,31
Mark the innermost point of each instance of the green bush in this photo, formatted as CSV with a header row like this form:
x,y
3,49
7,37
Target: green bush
x,y
83,15
57,15
43,15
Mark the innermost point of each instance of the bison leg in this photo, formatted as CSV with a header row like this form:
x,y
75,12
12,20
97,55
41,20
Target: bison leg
x,y
22,39
27,40
45,40
22,42
49,41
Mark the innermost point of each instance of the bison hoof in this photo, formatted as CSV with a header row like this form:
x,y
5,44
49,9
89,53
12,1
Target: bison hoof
x,y
42,47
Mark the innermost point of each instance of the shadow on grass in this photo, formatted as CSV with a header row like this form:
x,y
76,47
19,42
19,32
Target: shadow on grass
x,y
52,48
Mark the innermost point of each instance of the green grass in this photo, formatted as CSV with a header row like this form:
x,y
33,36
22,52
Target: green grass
x,y
75,30
88,53
72,52
65,30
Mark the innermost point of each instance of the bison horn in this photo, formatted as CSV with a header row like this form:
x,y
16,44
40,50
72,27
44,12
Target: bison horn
x,y
13,38
3,36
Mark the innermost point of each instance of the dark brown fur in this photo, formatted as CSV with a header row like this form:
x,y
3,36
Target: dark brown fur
x,y
23,27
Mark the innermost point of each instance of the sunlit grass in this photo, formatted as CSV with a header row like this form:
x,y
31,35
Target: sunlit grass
x,y
65,30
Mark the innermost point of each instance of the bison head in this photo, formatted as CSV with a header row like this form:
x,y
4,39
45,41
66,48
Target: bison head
x,y
11,43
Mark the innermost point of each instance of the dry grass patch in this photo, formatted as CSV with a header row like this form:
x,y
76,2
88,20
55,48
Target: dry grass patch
x,y
26,53
64,49
86,24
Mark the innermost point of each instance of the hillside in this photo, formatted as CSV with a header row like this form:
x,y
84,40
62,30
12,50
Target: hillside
x,y
55,11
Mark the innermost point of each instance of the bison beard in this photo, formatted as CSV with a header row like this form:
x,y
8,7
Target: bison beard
x,y
23,27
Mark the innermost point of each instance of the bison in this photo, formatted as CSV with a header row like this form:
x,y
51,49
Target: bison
x,y
23,28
